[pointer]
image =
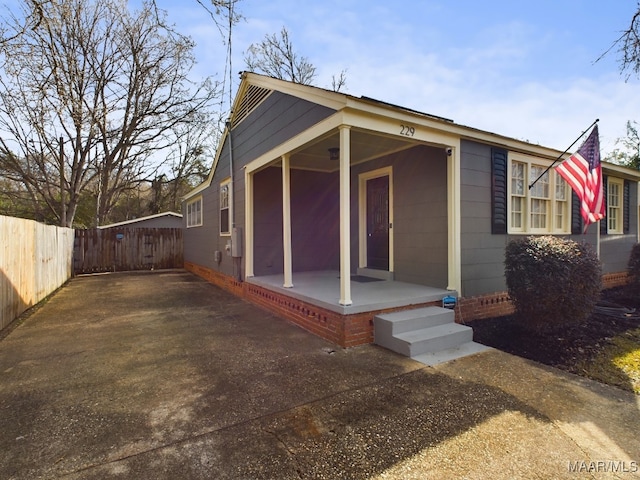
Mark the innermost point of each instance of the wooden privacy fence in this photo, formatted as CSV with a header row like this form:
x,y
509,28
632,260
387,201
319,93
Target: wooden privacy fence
x,y
35,259
127,248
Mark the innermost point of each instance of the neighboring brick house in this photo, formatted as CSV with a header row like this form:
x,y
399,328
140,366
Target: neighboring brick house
x,y
310,184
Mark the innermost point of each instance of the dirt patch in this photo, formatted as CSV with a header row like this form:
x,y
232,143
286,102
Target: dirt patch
x,y
591,349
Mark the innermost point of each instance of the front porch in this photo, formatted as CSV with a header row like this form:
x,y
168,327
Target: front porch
x,y
322,289
314,302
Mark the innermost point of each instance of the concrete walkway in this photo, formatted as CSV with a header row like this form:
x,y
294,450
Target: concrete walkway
x,y
163,376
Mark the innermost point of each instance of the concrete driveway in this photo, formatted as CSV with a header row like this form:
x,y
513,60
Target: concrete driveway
x,y
161,375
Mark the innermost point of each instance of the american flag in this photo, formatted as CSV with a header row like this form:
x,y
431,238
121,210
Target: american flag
x,y
583,172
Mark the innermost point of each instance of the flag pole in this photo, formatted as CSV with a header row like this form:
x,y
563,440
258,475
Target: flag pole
x,y
563,153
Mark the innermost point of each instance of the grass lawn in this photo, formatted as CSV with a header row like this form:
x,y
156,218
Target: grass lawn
x,y
618,363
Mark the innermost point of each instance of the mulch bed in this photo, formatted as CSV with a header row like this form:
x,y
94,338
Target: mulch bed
x,y
569,347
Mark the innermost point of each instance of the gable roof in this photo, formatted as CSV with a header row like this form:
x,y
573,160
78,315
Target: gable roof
x,y
255,89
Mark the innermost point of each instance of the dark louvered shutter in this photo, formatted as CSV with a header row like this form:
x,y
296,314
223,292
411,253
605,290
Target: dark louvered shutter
x,y
626,207
604,222
576,217
498,191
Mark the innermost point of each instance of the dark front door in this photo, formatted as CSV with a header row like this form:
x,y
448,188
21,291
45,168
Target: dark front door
x,y
378,223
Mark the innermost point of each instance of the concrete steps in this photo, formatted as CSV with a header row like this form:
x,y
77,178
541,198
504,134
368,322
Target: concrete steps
x,y
428,335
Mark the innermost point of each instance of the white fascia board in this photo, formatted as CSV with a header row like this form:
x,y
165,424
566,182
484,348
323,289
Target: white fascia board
x,y
446,128
621,171
392,126
198,189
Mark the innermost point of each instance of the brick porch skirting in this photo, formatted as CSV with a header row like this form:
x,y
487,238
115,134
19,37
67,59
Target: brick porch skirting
x,y
611,280
343,330
357,329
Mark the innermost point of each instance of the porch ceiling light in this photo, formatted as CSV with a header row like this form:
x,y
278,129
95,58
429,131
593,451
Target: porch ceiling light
x,y
334,153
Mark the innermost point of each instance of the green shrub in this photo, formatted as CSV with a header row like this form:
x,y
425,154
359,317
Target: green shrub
x,y
552,281
633,269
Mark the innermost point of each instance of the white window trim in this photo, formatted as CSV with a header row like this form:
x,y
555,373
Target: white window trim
x,y
620,218
226,182
526,228
191,222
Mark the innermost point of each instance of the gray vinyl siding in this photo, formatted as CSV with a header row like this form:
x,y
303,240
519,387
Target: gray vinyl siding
x,y
482,252
267,224
419,214
315,210
273,122
200,242
615,249
314,221
276,120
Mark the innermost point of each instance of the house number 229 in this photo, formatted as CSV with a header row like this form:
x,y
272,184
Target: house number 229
x,y
407,130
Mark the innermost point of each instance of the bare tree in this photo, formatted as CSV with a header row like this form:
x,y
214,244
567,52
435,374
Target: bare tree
x,y
187,164
222,12
627,45
276,57
90,95
17,198
339,82
11,31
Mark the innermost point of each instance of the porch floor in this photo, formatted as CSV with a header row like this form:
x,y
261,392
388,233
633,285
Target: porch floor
x,y
322,288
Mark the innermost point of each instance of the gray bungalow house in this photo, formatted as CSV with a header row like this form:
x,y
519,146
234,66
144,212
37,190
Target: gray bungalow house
x,y
336,211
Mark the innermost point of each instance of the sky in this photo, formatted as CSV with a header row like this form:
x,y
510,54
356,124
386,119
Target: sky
x,y
528,70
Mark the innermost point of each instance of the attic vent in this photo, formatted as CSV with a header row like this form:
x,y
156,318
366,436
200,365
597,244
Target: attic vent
x,y
252,98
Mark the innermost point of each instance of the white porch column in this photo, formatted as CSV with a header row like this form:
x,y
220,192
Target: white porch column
x,y
453,214
286,220
248,225
345,217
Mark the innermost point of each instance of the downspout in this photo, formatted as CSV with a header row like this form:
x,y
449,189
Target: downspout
x,y
236,259
233,197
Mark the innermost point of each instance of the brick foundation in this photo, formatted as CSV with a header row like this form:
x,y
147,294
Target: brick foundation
x,y
357,329
483,306
611,280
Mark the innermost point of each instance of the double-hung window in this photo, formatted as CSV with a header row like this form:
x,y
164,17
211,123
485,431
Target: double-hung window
x,y
225,207
543,208
539,198
562,200
194,213
615,203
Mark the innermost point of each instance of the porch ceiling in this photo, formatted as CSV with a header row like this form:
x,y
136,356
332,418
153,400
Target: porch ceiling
x,y
364,146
